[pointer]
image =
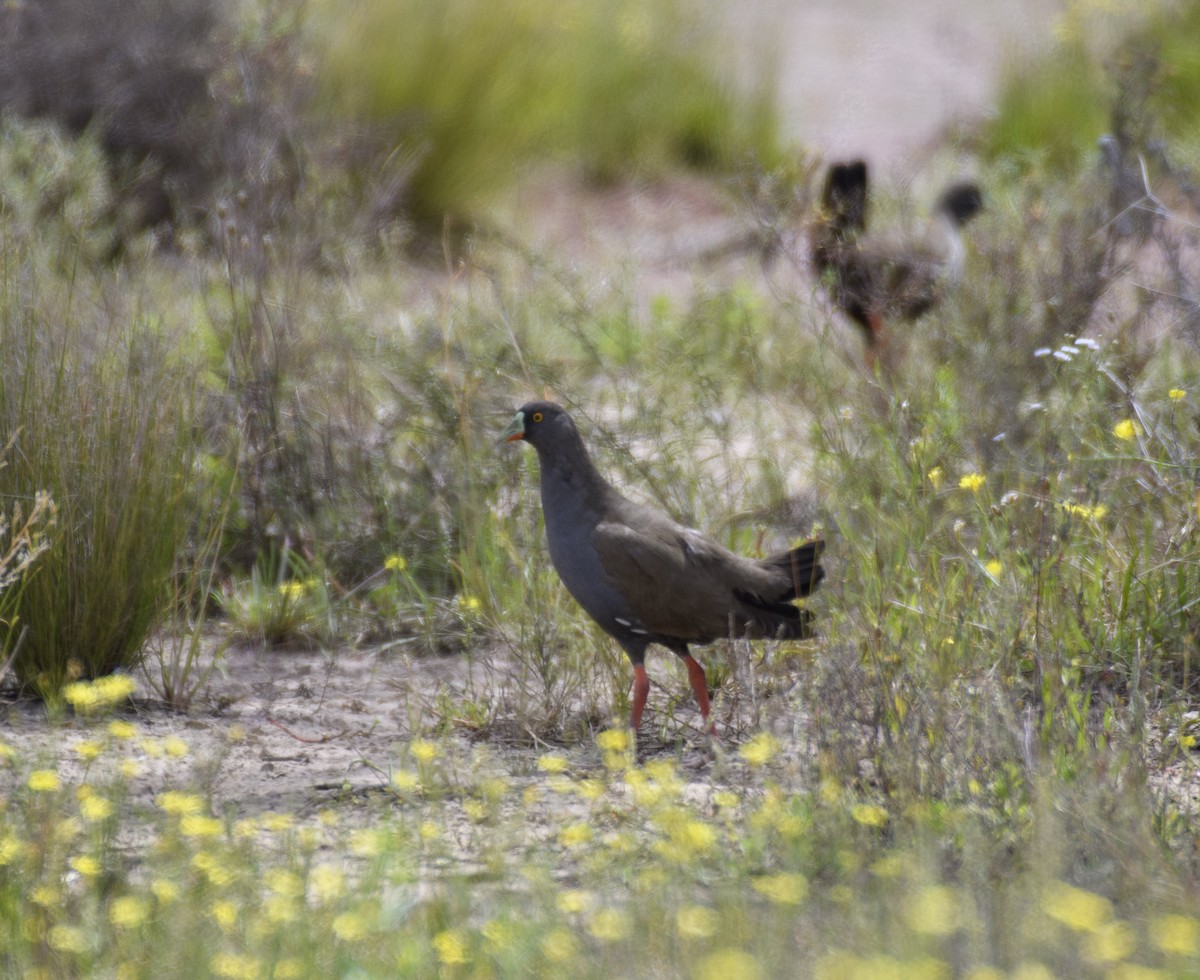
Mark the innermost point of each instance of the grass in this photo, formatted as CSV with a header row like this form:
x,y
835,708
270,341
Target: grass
x,y
483,89
982,766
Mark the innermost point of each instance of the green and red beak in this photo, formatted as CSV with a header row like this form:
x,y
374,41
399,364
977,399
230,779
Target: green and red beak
x,y
515,430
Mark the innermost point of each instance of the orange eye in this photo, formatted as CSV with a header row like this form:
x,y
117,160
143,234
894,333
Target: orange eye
x,y
537,416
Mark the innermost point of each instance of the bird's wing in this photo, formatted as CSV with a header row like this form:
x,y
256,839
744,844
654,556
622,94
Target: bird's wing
x,y
670,576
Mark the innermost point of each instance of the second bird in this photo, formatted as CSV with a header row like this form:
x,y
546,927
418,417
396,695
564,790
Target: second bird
x,y
646,579
875,278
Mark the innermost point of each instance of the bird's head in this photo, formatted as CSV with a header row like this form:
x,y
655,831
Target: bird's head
x,y
961,202
538,423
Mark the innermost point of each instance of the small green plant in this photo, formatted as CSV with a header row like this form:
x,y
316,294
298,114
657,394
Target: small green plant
x,y
285,600
180,655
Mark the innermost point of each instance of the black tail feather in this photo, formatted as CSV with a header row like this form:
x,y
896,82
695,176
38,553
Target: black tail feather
x,y
845,198
802,564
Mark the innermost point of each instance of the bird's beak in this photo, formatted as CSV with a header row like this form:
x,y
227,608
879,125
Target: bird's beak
x,y
515,430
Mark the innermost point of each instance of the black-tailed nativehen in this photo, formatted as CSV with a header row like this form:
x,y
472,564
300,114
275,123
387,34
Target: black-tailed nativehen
x,y
874,278
646,579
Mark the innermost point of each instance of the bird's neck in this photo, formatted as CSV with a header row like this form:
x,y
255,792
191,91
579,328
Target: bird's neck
x,y
570,478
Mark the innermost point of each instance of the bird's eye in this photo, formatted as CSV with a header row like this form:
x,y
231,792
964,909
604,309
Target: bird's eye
x,y
537,416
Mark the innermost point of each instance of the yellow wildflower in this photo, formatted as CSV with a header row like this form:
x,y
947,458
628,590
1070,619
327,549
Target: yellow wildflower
x,y
590,789
869,814
1076,908
95,808
972,482
935,477
552,762
783,888
469,603
121,729
180,804
405,780
935,910
235,966
128,911
559,945
1127,430
164,890
198,825
1085,511
113,688
276,823
560,784
609,925
175,747
350,927
499,935
475,811
994,567
293,590
46,896
697,922
67,939
451,947
1177,394
423,751
725,799
726,963
395,563
43,781
760,749
211,867
224,913
1110,943
327,883
152,747
368,843
693,834
86,865
11,848
574,900
575,834
130,768
614,740
1176,934
81,696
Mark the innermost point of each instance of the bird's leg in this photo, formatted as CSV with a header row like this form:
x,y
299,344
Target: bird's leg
x,y
700,687
641,688
877,346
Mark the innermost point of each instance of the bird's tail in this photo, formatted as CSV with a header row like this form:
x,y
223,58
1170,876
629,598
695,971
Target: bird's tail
x,y
845,198
775,616
803,565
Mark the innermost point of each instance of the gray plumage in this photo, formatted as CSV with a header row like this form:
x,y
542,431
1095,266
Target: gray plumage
x,y
645,578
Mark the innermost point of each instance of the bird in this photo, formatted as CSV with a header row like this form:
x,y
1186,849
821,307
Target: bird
x,y
646,579
875,279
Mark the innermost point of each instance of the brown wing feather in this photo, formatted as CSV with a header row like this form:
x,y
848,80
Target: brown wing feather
x,y
682,584
667,589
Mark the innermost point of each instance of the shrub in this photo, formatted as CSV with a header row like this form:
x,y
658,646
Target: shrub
x,y
187,103
467,92
100,418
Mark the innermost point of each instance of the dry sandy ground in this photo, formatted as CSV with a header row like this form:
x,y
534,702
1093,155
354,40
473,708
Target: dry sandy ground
x,y
295,730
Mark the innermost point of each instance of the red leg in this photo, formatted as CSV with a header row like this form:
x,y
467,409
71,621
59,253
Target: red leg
x,y
700,687
641,688
877,345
